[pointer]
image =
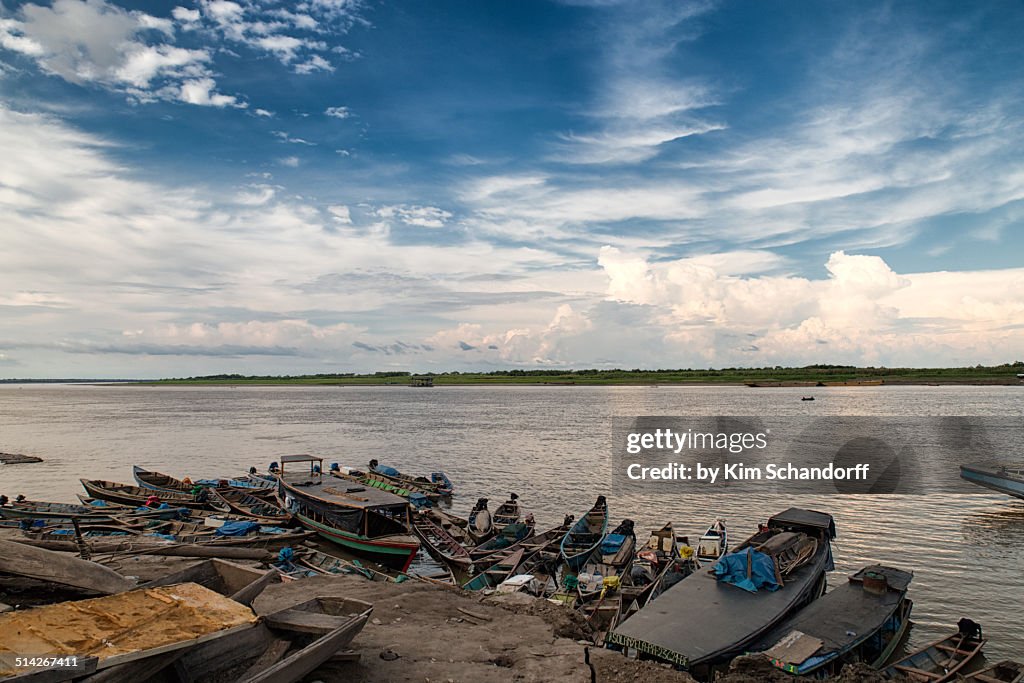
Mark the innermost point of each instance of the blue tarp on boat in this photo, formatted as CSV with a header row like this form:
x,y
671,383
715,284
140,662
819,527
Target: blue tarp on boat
x,y
237,528
732,568
612,543
384,469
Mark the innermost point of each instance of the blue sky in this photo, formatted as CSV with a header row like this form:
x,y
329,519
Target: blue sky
x,y
333,185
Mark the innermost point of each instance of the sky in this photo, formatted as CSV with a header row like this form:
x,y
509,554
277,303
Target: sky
x,y
324,186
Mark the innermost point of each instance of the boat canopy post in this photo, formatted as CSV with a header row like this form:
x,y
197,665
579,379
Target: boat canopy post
x,y
316,464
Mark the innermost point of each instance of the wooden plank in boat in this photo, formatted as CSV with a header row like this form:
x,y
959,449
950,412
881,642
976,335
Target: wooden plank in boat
x,y
301,621
795,648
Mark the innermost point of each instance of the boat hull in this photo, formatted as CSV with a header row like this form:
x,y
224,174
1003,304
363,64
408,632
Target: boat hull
x,y
1008,482
396,552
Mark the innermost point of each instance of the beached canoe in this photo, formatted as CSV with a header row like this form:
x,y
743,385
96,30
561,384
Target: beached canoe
x,y
862,620
126,494
239,582
60,513
939,661
729,609
480,526
1006,671
496,573
242,503
609,564
510,535
165,482
119,629
48,567
585,535
440,543
509,512
713,543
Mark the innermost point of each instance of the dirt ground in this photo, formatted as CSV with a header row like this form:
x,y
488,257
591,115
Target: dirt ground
x,y
436,641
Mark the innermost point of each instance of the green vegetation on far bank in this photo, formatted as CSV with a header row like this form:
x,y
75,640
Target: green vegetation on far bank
x,y
999,374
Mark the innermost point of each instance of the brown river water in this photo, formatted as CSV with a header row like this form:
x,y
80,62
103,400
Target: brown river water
x,y
549,444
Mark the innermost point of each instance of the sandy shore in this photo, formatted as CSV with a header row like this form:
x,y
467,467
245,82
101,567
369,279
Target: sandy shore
x,y
428,633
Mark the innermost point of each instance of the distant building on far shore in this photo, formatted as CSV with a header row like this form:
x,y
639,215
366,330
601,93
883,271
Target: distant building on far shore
x,y
421,381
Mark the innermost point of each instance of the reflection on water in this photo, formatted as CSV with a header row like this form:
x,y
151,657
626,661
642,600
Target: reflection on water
x,y
551,446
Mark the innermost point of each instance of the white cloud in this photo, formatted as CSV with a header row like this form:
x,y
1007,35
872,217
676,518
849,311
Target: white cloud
x,y
338,112
421,216
340,213
201,91
291,162
97,42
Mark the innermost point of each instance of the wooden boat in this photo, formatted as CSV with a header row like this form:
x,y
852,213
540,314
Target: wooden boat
x,y
663,562
1004,479
127,494
64,512
440,543
48,567
168,484
507,513
862,620
239,582
17,459
316,563
242,503
378,482
939,661
1006,671
480,526
585,535
119,629
367,521
304,661
724,620
496,573
609,563
421,484
510,536
713,543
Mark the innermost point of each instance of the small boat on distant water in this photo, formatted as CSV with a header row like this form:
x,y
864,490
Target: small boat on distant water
x,y
807,398
941,660
714,542
1001,478
585,535
367,521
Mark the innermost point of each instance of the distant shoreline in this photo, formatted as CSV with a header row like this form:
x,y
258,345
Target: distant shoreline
x,y
773,377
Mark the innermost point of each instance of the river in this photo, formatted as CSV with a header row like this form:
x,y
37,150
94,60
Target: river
x,y
549,444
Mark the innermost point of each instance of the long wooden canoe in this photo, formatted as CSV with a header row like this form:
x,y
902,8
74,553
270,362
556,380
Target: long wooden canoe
x,y
60,568
122,628
127,494
939,661
246,504
585,535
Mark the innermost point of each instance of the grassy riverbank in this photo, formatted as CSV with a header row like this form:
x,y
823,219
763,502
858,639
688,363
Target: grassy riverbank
x,y
810,375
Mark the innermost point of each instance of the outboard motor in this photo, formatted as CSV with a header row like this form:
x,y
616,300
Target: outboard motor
x,y
274,468
20,498
335,467
3,500
481,504
569,519
513,497
601,502
373,464
969,628
252,470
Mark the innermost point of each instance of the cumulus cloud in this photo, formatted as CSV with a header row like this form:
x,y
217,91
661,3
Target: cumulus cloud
x,y
97,42
421,216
